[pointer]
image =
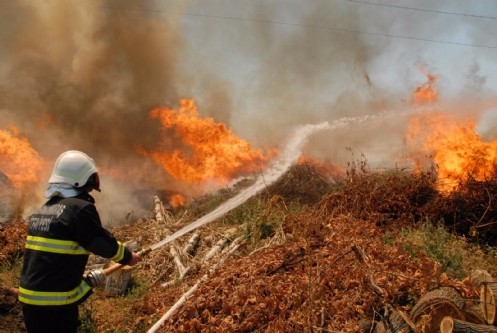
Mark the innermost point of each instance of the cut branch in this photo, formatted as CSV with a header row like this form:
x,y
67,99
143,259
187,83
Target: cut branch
x,y
177,260
220,245
192,244
158,209
362,258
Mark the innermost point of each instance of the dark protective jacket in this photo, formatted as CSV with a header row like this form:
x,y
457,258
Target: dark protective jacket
x,y
61,235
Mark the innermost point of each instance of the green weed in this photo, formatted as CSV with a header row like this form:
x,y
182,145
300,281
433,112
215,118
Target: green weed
x,y
88,324
457,256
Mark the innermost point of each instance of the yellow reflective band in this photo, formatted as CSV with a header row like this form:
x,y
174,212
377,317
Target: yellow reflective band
x,y
119,254
53,297
54,245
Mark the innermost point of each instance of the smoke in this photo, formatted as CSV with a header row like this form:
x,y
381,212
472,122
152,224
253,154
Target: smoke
x,y
82,75
85,75
297,63
91,73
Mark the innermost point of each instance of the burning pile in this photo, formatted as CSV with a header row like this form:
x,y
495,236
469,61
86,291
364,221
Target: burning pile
x,y
329,266
198,154
20,162
455,148
21,169
333,265
449,141
208,151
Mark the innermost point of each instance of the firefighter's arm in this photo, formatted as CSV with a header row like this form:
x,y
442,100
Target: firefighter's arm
x,y
98,240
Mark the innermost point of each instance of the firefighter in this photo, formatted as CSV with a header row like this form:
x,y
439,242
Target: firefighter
x,y
60,237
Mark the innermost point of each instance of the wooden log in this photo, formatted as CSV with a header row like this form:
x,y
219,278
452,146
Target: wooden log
x,y
175,281
233,244
452,325
392,321
220,245
192,244
428,313
488,293
215,249
158,210
182,270
473,314
177,260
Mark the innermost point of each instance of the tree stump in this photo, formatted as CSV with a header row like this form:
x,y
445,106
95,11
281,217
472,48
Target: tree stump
x,y
428,313
488,293
452,325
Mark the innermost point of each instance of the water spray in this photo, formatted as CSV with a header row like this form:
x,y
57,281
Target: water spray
x,y
289,156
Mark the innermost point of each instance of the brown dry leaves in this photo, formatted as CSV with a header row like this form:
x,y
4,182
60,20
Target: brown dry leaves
x,y
342,261
12,238
317,282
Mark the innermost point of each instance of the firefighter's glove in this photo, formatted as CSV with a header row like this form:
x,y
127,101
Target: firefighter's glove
x,y
95,277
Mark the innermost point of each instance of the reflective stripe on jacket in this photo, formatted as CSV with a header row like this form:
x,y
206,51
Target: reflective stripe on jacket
x,y
50,298
54,245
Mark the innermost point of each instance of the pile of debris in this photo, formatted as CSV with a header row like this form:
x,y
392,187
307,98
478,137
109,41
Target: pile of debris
x,y
339,264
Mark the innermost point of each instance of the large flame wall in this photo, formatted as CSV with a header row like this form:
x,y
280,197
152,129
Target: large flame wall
x,y
120,80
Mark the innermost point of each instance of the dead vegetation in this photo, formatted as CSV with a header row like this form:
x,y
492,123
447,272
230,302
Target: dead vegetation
x,y
312,256
470,210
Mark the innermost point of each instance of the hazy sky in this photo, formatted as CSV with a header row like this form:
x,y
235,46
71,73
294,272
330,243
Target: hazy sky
x,y
85,74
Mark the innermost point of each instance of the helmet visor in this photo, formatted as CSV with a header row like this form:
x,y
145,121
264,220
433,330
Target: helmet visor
x,y
93,182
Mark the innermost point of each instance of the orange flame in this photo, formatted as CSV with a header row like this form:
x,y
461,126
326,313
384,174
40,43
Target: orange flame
x,y
426,93
209,151
455,147
325,168
177,200
449,141
18,160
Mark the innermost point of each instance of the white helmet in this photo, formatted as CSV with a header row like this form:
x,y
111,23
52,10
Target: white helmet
x,y
76,169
